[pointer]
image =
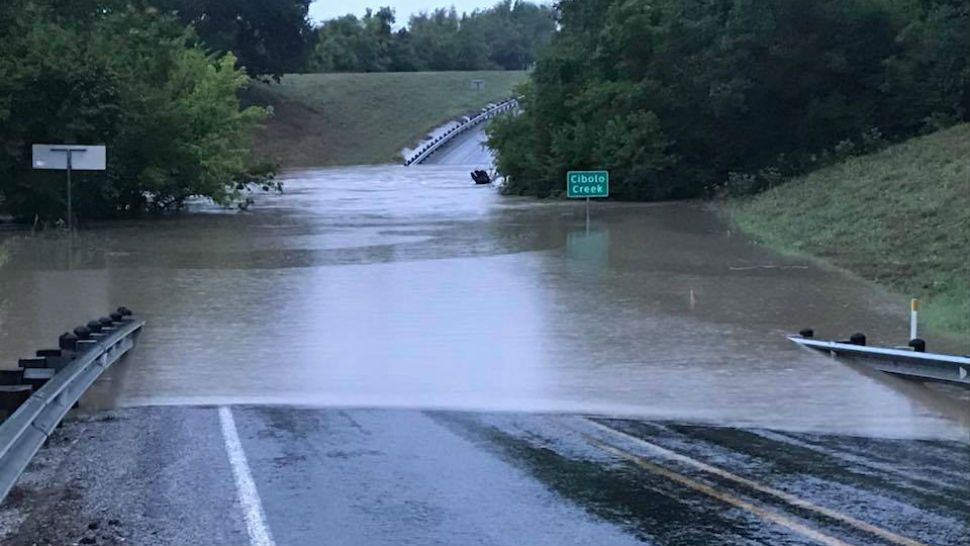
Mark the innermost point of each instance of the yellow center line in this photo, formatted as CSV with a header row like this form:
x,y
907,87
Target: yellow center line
x,y
777,493
722,496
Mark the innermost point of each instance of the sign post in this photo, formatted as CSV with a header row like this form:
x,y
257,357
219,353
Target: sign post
x,y
587,184
69,157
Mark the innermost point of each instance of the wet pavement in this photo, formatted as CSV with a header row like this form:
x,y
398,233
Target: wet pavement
x,y
160,476
466,149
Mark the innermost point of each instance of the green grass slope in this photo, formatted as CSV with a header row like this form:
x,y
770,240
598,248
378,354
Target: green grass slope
x,y
899,217
349,119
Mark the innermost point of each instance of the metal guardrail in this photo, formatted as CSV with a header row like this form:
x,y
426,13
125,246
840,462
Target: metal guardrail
x,y
24,432
914,364
428,148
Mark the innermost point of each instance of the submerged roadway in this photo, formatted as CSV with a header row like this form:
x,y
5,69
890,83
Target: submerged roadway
x,y
391,356
465,149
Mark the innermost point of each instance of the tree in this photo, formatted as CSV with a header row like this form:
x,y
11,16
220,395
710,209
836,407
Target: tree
x,y
130,78
404,57
435,37
507,36
931,72
337,46
268,37
679,96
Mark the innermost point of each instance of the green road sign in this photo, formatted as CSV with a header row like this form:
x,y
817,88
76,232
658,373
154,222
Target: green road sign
x,y
588,184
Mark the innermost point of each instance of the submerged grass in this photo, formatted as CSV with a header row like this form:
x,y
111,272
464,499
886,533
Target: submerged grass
x,y
351,119
899,217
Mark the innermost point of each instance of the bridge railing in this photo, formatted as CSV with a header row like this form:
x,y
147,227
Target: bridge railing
x,y
429,147
912,362
40,391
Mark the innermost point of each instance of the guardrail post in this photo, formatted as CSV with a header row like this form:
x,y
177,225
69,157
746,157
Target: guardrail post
x,y
12,397
38,394
12,377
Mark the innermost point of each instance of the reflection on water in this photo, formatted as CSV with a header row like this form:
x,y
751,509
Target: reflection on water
x,y
589,248
386,286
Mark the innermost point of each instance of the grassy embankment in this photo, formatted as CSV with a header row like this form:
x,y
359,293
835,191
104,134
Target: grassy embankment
x,y
899,217
349,119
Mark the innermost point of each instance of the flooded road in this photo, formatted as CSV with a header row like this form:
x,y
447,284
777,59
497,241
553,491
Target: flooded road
x,y
393,287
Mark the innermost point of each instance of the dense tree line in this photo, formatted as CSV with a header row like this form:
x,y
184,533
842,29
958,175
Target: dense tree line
x,y
268,37
133,77
683,97
507,36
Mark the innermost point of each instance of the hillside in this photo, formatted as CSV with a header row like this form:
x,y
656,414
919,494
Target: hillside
x,y
347,119
900,217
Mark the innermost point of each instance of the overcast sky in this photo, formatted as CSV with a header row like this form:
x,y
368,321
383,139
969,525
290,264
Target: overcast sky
x,y
328,9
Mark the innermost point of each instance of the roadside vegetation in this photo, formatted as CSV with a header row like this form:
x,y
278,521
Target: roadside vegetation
x,y
687,98
164,85
349,119
900,217
128,75
269,38
507,36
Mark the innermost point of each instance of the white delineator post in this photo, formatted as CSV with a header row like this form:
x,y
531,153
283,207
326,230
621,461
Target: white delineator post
x,y
913,317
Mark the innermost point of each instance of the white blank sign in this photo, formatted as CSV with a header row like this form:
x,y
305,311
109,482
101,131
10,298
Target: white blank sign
x,y
83,158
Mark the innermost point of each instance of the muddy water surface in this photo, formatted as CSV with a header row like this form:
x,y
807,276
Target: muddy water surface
x,y
387,286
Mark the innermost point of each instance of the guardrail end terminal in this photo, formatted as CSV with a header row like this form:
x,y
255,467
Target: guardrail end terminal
x,y
38,394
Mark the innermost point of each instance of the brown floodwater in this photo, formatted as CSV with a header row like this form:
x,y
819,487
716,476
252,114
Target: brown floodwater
x,y
393,287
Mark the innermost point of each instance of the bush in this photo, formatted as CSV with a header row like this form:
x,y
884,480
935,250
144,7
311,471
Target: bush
x,y
134,80
674,95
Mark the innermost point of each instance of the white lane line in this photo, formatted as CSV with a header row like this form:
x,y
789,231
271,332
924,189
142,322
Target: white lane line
x,y
259,534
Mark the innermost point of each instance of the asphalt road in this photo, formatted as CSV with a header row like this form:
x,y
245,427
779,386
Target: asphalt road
x,y
466,149
289,476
